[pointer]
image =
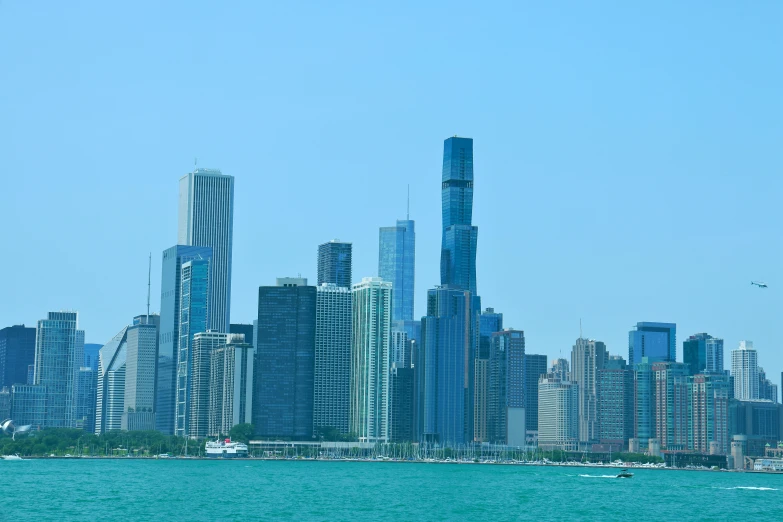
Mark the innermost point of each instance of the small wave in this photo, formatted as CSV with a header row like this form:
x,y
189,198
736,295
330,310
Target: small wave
x,y
598,476
754,488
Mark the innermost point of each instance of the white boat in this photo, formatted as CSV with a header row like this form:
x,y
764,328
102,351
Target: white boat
x,y
226,449
12,457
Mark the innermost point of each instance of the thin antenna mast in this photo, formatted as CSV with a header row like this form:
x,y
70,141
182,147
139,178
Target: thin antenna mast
x,y
408,215
149,279
580,327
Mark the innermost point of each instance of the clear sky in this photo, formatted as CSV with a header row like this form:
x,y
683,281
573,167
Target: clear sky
x,y
628,159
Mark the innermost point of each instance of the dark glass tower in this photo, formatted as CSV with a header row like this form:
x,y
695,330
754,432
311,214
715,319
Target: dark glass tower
x,y
285,362
17,352
458,250
334,263
535,367
396,260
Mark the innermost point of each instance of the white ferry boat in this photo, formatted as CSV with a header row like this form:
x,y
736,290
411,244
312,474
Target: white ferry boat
x,y
226,449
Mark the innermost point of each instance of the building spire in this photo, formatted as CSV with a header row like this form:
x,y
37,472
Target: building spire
x,y
149,278
408,214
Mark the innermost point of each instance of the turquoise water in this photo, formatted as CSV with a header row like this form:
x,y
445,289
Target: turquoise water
x,y
199,490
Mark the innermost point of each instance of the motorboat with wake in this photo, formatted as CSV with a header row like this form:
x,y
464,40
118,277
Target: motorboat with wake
x,y
12,457
625,474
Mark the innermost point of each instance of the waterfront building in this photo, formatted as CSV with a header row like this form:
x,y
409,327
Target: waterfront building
x,y
334,263
230,385
5,403
396,263
561,368
17,352
110,389
332,379
709,423
206,219
535,367
588,357
369,399
140,359
703,353
615,394
656,341
28,405
168,338
401,404
760,422
672,421
59,352
558,413
644,402
195,313
506,397
285,361
86,398
490,322
204,344
459,240
745,370
445,367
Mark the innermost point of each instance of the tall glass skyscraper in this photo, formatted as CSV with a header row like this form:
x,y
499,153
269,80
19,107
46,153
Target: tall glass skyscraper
x,y
703,353
59,353
195,313
588,357
458,251
334,263
168,341
17,352
206,218
110,405
396,260
535,367
656,341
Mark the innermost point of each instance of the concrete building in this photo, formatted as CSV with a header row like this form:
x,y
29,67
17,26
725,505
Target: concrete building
x,y
760,422
558,413
709,423
768,391
588,357
230,385
615,395
745,370
672,420
204,344
561,368
206,219
141,356
334,263
369,399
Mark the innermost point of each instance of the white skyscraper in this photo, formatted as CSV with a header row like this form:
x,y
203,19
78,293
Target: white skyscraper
x,y
142,352
745,370
558,413
587,359
369,409
206,218
332,357
204,344
111,383
230,385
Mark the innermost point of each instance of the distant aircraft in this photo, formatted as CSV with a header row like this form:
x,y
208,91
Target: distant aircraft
x,y
760,284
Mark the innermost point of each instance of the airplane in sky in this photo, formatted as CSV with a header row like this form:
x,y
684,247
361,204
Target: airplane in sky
x,y
760,284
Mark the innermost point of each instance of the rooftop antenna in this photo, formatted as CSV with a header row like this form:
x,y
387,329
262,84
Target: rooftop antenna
x,y
408,217
149,278
580,327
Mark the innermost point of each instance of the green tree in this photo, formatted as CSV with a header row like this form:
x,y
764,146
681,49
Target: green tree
x,y
242,432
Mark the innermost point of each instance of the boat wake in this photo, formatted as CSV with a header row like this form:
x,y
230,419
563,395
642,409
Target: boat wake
x,y
598,476
754,488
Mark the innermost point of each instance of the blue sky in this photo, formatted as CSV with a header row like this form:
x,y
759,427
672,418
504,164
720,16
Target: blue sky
x,y
627,158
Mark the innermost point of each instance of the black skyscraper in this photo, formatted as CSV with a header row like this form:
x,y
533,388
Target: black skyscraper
x,y
334,263
285,362
535,367
17,352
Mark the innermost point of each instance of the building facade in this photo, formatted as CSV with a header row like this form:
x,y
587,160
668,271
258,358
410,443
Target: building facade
x,y
615,403
332,380
110,388
644,402
656,341
285,361
17,352
558,414
396,263
204,344
709,396
588,357
28,405
460,237
334,263
369,399
535,367
489,322
142,354
206,219
506,398
672,419
745,370
86,399
401,404
230,385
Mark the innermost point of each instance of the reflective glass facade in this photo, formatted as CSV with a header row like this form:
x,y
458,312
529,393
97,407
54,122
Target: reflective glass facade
x,y
535,367
17,352
396,263
110,402
458,250
334,263
656,341
168,339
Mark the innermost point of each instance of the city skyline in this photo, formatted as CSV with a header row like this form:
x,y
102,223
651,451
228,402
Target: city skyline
x,y
664,155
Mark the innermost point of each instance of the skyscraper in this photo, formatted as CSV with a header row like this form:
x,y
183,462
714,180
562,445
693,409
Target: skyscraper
x,y
588,357
168,339
445,367
490,322
248,330
703,352
535,367
561,368
656,341
458,251
334,263
745,370
91,355
558,413
230,385
369,400
644,402
86,398
285,362
396,263
333,320
206,219
714,349
506,397
671,404
204,343
615,403
142,352
709,396
59,352
401,404
195,313
17,352
110,403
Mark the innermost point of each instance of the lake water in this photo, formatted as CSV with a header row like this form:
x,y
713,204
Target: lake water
x,y
201,490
